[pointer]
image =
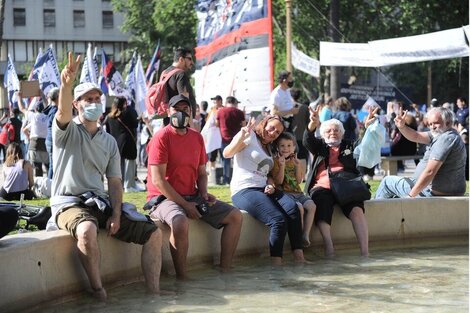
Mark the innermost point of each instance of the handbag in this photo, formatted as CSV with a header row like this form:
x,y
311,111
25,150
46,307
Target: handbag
x,y
348,187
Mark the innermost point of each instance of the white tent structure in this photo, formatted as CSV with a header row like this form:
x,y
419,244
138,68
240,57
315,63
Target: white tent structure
x,y
446,44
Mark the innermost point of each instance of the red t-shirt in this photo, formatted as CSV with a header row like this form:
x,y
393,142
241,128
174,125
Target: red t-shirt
x,y
230,122
182,154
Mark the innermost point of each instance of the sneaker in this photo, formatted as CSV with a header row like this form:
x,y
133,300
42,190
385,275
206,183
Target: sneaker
x,y
132,189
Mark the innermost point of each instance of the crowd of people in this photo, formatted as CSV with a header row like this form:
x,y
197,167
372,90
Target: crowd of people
x,y
289,144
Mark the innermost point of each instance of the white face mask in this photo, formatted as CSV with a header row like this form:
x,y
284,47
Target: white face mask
x,y
92,111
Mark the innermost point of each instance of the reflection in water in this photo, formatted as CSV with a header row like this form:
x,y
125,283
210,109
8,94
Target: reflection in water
x,y
433,279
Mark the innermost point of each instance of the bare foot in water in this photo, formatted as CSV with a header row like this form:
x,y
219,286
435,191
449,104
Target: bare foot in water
x,y
276,261
330,252
161,292
100,294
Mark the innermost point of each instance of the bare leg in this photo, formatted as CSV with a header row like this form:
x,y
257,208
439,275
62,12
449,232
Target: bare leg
x,y
152,261
325,231
89,253
229,238
298,255
276,261
179,245
359,222
308,221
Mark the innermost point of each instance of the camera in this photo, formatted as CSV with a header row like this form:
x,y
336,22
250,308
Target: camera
x,y
203,208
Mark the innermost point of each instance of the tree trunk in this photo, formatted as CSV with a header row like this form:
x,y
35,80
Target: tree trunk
x,y
335,82
2,18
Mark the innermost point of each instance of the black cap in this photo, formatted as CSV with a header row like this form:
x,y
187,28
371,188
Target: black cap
x,y
231,100
217,98
177,99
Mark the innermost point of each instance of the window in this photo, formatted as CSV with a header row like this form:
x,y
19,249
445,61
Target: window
x,y
108,20
78,18
49,18
19,17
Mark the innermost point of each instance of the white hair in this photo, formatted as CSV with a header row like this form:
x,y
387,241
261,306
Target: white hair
x,y
332,121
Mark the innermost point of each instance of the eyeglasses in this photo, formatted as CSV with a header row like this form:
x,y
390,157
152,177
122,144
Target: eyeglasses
x,y
189,58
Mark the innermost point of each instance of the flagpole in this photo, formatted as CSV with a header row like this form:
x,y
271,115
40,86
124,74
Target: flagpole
x,y
288,35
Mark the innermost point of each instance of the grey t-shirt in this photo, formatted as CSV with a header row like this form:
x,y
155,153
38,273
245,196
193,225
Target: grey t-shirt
x,y
80,163
450,149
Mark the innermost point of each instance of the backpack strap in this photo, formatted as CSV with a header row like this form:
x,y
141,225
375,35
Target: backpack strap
x,y
167,75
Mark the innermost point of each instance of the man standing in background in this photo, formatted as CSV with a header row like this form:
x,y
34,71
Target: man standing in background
x,y
230,120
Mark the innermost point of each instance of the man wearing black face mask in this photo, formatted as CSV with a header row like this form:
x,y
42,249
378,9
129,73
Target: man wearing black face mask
x,y
281,102
177,187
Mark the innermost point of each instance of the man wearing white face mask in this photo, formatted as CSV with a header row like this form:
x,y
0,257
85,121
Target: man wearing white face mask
x,y
83,153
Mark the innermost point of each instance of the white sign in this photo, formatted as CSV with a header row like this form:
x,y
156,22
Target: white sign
x,y
304,63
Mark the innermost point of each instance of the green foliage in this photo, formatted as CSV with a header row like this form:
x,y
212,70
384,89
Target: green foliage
x,y
174,22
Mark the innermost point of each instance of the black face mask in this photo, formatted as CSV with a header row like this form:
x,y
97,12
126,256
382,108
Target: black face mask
x,y
179,120
290,84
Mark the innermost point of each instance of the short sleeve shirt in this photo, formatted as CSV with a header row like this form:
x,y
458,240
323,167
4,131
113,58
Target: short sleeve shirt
x,y
281,99
81,161
182,154
449,149
230,122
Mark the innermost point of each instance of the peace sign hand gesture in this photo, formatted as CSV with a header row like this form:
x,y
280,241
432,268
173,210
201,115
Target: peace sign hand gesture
x,y
68,74
314,118
246,130
371,116
400,118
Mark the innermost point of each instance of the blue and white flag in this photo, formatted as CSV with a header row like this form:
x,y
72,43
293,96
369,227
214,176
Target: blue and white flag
x,y
130,80
45,70
141,87
11,83
90,68
49,76
152,69
34,74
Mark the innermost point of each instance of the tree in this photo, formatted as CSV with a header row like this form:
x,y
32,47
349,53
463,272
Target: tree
x,y
174,22
2,17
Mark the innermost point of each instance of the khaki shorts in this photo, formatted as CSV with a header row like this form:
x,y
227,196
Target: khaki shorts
x,y
168,210
129,231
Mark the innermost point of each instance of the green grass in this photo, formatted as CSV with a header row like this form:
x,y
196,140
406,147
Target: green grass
x,y
139,198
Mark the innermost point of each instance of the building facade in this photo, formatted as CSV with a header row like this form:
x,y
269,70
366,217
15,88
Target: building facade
x,y
67,25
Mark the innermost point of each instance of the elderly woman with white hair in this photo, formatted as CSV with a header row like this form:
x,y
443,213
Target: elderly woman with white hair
x,y
332,153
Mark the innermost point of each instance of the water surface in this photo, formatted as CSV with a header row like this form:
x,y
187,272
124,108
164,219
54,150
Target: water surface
x,y
394,279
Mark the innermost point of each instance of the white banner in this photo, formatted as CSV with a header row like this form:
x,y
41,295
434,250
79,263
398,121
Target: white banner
x,y
248,83
444,44
347,54
304,63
